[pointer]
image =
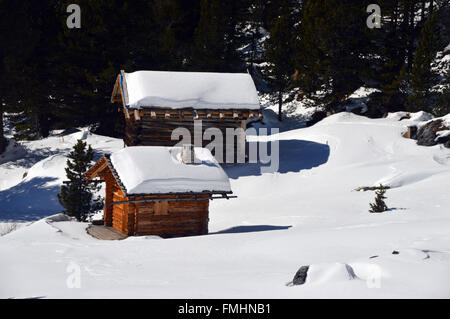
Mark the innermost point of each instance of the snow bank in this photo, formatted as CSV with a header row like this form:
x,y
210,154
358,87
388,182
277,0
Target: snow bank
x,y
52,168
414,117
305,214
198,90
326,273
158,170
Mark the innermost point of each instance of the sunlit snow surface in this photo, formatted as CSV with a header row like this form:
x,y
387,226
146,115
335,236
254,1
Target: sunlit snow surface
x,y
306,214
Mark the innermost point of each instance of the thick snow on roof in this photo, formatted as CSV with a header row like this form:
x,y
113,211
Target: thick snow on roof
x,y
198,90
159,170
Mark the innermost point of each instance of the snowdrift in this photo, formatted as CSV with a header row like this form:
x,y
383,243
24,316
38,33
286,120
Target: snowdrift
x,y
306,214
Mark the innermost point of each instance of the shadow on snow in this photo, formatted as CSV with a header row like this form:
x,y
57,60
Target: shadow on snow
x,y
294,156
250,229
29,200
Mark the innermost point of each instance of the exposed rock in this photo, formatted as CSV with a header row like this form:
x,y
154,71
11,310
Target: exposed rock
x,y
370,188
3,144
316,117
395,252
300,276
411,132
427,134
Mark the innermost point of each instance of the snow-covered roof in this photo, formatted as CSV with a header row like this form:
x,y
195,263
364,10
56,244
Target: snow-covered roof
x,y
198,90
159,170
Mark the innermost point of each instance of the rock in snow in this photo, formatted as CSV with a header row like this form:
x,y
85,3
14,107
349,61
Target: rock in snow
x,y
300,276
427,134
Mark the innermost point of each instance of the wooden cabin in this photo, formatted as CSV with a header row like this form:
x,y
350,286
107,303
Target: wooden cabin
x,y
154,103
159,191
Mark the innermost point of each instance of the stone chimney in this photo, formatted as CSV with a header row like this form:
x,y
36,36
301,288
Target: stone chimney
x,y
188,154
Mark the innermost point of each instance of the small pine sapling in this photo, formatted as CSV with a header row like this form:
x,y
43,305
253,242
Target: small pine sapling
x,y
77,193
379,206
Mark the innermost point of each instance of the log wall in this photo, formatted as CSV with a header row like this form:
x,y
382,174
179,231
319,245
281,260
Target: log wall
x,y
165,217
150,131
172,218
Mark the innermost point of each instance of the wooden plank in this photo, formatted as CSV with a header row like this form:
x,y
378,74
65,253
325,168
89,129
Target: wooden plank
x,y
105,233
125,88
137,117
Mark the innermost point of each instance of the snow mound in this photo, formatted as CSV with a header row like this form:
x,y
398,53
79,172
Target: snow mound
x,y
58,218
413,117
330,272
421,116
12,152
342,117
51,168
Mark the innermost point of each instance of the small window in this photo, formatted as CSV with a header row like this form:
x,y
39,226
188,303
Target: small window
x,y
162,208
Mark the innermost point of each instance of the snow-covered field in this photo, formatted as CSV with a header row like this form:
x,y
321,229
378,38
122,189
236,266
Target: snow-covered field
x,y
306,214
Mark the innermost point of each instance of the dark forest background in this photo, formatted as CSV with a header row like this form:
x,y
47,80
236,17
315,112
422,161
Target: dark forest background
x,y
52,77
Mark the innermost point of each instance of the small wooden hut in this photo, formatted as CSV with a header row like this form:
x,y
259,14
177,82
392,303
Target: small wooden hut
x,y
154,103
156,191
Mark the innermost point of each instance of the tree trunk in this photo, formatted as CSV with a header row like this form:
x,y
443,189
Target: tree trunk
x,y
2,134
422,19
280,104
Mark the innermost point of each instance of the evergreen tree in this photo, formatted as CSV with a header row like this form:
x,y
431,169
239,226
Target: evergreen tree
x,y
3,141
379,206
29,35
332,58
422,78
209,38
216,38
442,106
390,70
280,52
77,194
175,21
114,35
254,52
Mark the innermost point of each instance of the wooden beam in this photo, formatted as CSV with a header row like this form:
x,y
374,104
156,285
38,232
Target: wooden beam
x,y
124,87
171,200
98,167
137,117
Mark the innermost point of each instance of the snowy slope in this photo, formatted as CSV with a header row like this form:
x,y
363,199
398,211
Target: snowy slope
x,y
306,214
